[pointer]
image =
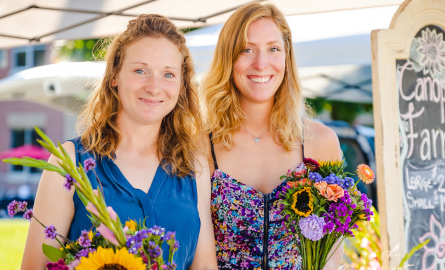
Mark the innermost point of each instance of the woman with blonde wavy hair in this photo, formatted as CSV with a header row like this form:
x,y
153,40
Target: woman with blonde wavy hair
x,y
142,127
260,129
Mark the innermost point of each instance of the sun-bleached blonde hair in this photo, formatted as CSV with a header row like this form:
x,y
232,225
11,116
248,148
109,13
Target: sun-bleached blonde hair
x,y
221,98
180,130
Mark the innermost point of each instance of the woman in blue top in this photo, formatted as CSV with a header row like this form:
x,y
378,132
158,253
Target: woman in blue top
x,y
142,126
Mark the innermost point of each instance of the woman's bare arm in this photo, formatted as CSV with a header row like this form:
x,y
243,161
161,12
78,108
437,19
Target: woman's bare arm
x,y
53,205
205,256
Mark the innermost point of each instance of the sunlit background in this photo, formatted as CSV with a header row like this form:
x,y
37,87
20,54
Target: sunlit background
x,y
45,84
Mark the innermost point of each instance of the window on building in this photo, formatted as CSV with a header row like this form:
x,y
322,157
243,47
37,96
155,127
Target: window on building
x,y
3,59
21,137
20,59
39,58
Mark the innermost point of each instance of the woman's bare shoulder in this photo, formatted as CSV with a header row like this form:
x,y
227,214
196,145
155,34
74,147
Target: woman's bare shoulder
x,y
321,142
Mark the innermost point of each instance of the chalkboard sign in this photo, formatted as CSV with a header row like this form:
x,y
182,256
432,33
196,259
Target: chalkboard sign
x,y
421,93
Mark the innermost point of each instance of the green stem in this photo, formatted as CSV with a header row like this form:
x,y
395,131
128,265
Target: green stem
x,y
317,258
308,253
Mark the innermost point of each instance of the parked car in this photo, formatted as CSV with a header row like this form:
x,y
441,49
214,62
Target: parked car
x,y
357,144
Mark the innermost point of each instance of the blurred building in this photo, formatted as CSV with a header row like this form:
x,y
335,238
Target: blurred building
x,y
17,120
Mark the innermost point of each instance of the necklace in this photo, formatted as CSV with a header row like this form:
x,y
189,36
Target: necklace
x,y
257,139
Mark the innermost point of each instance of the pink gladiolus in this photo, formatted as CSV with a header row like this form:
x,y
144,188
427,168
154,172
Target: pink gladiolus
x,y
90,207
112,213
107,234
96,192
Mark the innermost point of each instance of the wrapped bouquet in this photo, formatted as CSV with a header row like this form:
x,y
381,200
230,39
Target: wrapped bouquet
x,y
112,245
321,205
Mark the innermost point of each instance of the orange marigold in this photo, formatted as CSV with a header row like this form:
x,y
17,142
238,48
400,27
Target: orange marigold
x,y
365,173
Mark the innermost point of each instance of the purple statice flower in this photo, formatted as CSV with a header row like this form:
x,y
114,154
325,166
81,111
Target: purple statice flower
x,y
21,207
60,265
154,250
28,214
50,232
135,248
175,246
84,253
312,227
13,208
170,236
169,266
333,179
89,164
84,240
316,177
69,182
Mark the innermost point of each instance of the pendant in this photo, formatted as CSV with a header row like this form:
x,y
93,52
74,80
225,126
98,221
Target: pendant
x,y
257,140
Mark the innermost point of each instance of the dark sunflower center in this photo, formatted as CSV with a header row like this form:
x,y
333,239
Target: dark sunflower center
x,y
112,266
302,203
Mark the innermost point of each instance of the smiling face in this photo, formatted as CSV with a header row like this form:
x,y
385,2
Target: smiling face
x,y
149,81
259,70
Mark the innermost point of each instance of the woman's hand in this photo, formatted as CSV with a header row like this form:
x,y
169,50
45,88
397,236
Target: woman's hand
x,y
53,205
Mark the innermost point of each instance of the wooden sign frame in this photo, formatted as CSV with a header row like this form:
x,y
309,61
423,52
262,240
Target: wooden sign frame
x,y
387,47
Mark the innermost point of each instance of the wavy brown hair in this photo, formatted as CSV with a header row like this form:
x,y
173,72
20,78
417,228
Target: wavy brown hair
x,y
180,130
223,110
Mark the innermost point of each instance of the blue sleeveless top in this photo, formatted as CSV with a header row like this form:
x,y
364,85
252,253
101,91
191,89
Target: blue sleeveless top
x,y
171,203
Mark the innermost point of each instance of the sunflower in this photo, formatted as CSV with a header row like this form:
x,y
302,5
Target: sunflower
x,y
106,259
302,202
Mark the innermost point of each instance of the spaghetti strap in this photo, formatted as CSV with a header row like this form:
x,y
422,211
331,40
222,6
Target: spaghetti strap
x,y
213,151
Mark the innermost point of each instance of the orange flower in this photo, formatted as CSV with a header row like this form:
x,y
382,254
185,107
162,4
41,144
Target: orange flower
x,y
305,181
365,173
330,192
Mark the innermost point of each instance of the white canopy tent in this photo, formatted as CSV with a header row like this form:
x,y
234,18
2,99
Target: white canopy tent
x,y
333,53
25,21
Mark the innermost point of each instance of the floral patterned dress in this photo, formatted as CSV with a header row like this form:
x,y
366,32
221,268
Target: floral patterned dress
x,y
248,227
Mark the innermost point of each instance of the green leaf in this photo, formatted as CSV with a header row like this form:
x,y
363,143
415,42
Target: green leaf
x,y
53,254
411,253
37,163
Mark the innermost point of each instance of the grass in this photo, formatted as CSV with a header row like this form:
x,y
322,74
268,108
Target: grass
x,y
13,234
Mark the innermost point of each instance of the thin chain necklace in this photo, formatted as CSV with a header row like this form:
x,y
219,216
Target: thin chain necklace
x,y
257,139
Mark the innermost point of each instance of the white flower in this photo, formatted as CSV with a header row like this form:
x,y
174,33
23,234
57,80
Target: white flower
x,y
432,50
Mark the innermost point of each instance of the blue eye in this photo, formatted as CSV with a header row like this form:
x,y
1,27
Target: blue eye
x,y
169,75
248,50
139,71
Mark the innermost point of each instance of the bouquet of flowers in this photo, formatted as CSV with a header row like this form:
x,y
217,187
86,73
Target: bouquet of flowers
x,y
321,205
132,246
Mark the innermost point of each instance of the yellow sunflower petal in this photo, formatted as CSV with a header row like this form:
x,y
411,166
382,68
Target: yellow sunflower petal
x,y
96,260
128,260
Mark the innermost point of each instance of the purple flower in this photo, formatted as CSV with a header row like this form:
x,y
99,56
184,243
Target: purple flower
x,y
170,236
69,182
154,250
50,232
13,208
22,206
135,248
89,164
28,214
84,253
312,227
316,177
84,240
